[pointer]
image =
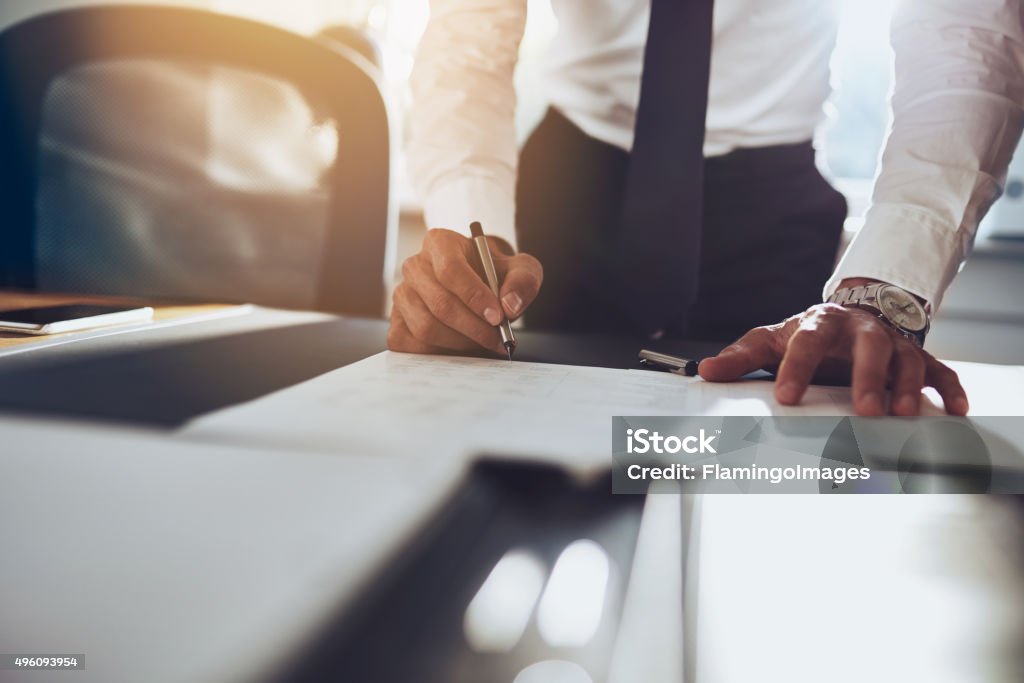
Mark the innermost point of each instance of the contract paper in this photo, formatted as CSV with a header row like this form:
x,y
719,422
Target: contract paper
x,y
443,406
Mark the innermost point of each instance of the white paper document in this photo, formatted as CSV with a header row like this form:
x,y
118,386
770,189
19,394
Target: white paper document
x,y
441,406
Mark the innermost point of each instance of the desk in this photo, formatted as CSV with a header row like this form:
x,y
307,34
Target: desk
x,y
850,589
163,561
165,376
162,377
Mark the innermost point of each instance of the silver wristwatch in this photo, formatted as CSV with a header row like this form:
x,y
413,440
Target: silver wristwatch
x,y
896,307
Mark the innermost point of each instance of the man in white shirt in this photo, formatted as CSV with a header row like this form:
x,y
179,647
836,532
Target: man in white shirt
x,y
767,224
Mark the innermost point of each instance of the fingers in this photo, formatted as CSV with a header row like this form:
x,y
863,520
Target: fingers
x,y
871,356
448,252
437,316
400,338
816,335
947,384
908,378
423,325
521,277
912,370
755,350
444,303
840,343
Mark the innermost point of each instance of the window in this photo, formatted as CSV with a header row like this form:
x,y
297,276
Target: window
x,y
858,111
858,114
851,140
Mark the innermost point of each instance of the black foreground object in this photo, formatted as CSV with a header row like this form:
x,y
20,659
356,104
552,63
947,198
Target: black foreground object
x,y
409,626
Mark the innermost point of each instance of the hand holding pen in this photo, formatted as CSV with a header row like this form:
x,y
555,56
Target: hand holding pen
x,y
444,304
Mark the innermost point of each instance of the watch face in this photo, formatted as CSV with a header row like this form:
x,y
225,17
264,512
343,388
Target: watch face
x,y
902,309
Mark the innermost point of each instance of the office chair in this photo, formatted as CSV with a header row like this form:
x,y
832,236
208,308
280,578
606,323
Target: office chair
x,y
354,39
173,152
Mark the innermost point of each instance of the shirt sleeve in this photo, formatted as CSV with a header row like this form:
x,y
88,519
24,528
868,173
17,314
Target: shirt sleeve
x,y
462,153
957,118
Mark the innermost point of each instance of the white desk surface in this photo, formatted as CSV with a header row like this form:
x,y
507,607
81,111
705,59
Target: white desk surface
x,y
168,561
858,588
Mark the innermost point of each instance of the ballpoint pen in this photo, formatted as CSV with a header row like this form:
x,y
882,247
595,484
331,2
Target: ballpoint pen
x,y
663,361
508,339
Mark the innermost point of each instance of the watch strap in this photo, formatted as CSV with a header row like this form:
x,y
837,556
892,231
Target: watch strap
x,y
861,295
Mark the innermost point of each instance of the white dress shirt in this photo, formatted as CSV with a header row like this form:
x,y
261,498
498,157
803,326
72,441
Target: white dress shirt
x,y
957,110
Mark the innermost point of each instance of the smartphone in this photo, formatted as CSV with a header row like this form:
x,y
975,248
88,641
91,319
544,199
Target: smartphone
x,y
69,318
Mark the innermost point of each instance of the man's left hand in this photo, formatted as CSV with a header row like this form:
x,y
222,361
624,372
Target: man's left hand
x,y
829,342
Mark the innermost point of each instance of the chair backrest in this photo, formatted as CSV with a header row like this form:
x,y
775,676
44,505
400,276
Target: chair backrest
x,y
354,39
351,179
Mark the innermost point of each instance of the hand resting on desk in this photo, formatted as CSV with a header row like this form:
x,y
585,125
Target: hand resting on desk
x,y
829,342
443,304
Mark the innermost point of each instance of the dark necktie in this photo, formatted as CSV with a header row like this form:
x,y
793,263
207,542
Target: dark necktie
x,y
659,253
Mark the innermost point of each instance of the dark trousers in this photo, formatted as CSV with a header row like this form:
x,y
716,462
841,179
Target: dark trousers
x,y
771,231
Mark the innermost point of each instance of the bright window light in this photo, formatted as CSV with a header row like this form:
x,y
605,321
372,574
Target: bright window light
x,y
498,614
861,80
573,601
553,671
858,112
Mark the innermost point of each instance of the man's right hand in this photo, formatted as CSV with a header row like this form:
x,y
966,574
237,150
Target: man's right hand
x,y
443,305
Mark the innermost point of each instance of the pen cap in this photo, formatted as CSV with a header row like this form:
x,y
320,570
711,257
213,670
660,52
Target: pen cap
x,y
476,229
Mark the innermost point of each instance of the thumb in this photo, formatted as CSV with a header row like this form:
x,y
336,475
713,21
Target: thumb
x,y
521,283
753,351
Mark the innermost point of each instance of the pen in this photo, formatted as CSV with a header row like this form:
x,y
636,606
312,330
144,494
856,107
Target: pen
x,y
508,339
663,361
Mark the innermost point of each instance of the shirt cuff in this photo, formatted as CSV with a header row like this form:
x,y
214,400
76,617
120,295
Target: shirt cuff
x,y
905,246
457,203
